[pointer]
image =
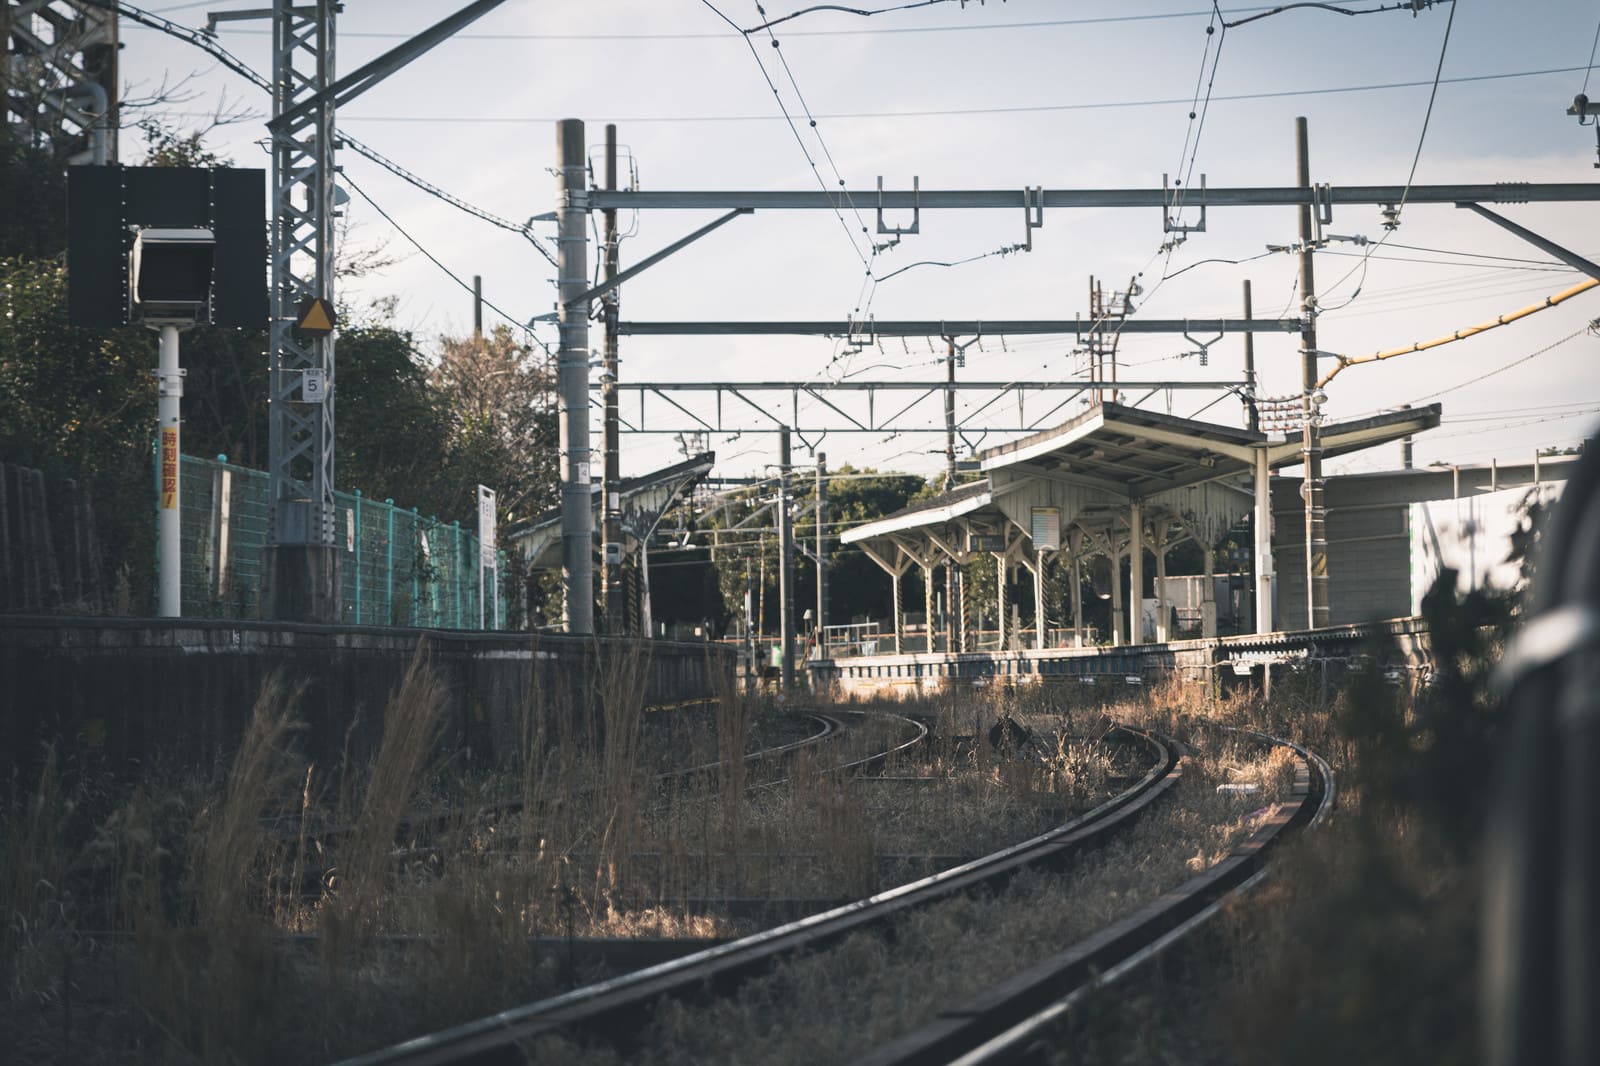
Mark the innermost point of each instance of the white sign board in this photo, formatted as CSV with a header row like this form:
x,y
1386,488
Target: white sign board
x,y
1046,528
486,526
488,605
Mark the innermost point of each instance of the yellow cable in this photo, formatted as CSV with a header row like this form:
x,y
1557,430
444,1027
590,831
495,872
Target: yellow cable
x,y
1460,334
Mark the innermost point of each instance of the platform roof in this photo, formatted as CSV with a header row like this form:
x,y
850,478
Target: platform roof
x,y
645,499
1134,453
1095,465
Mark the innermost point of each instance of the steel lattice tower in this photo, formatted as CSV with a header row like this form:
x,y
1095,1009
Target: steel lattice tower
x,y
60,78
302,392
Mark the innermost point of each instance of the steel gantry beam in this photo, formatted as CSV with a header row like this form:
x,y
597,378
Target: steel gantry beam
x,y
959,328
1510,192
835,415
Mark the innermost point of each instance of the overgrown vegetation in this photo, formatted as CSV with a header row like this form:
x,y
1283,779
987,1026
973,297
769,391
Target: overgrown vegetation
x,y
292,912
1363,945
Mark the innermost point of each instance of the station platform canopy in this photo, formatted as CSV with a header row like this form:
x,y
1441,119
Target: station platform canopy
x,y
1112,482
645,500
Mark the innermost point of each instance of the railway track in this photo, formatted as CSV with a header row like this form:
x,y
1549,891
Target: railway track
x,y
617,1007
1016,1021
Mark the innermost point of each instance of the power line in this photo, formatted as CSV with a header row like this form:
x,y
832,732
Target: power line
x,y
794,129
1282,8
1503,369
874,30
869,283
864,12
524,326
1545,267
1020,109
1410,177
208,44
448,197
1470,255
1587,69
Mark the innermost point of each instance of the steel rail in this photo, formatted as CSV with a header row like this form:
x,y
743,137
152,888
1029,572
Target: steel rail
x,y
615,1009
1012,1021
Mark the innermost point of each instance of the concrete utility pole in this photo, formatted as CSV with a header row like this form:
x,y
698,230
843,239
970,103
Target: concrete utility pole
x,y
572,377
1317,613
477,306
822,555
610,482
950,414
785,567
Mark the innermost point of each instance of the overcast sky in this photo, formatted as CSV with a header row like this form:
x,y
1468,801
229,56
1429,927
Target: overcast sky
x,y
1002,95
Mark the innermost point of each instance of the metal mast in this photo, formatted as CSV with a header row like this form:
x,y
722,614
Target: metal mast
x,y
611,508
59,79
302,561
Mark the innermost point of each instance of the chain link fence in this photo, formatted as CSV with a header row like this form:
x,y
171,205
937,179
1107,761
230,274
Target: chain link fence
x,y
398,567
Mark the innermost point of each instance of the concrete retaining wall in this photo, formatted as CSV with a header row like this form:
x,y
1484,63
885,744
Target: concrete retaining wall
x,y
132,690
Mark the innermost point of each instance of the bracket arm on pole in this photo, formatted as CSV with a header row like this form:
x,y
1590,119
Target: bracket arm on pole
x,y
1572,259
649,261
360,80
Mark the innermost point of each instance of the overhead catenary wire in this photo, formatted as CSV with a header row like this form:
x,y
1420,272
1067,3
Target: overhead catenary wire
x,y
793,128
955,112
512,319
868,30
208,44
1502,369
1416,157
1335,9
1590,66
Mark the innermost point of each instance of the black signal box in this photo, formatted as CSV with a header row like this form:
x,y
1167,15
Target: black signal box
x,y
161,244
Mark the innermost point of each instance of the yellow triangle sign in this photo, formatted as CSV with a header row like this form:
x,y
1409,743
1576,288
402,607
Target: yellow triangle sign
x,y
315,317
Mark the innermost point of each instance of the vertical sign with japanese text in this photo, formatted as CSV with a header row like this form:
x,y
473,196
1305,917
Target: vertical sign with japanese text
x,y
489,602
169,468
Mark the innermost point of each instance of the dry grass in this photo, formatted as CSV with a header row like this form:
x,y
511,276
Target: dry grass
x,y
158,927
834,1005
1362,946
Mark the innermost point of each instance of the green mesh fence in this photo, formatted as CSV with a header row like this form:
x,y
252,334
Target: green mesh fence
x,y
396,566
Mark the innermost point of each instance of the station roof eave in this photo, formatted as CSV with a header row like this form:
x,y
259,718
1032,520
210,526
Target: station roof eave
x,y
1128,452
1136,453
958,503
644,499
1341,438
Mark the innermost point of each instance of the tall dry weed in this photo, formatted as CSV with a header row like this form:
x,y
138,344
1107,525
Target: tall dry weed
x,y
212,985
411,721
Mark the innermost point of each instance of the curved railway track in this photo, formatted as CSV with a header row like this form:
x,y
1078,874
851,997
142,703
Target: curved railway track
x,y
617,1007
1016,1020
